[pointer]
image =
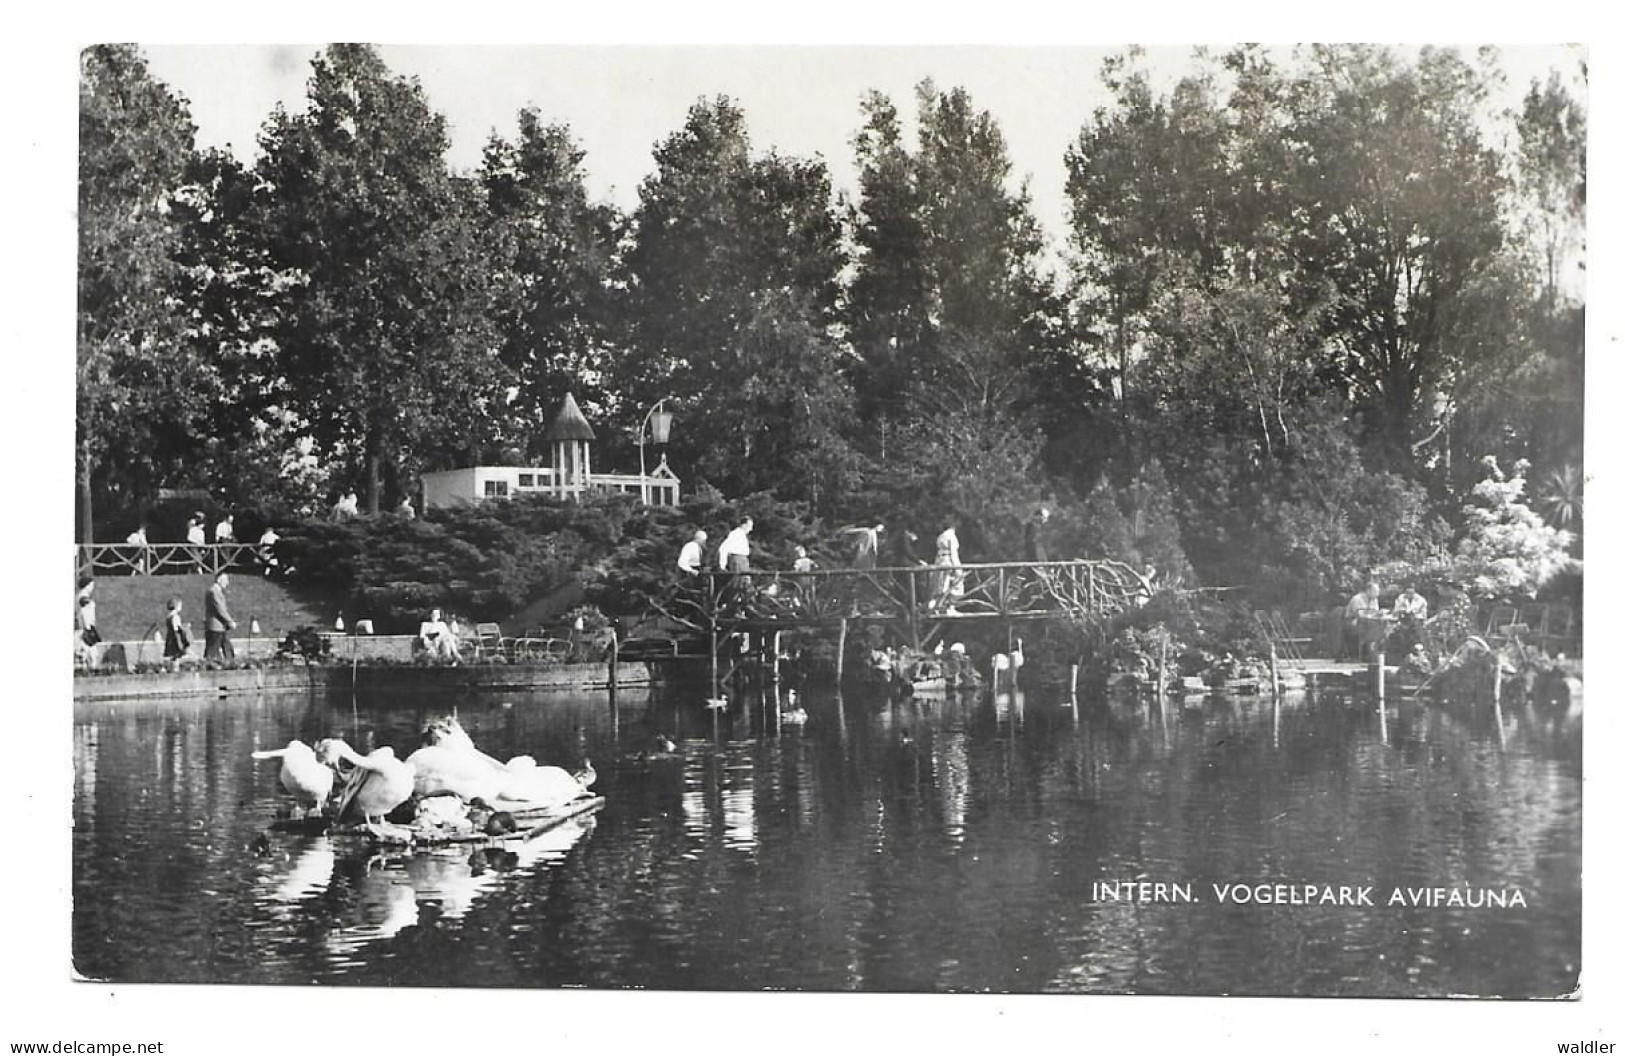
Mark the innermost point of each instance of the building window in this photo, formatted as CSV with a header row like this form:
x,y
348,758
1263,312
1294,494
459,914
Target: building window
x,y
496,489
527,480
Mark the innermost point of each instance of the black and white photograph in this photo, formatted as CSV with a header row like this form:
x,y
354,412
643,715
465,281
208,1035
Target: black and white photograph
x,y
1075,523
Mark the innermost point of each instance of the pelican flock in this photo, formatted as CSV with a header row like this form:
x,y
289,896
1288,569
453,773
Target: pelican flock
x,y
445,776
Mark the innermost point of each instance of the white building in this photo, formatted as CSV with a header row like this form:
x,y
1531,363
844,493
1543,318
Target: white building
x,y
570,476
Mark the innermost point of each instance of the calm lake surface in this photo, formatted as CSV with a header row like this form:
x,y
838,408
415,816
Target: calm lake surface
x,y
929,845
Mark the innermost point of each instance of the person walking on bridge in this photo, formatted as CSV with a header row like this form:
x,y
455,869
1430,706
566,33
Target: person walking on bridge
x,y
692,554
734,556
868,544
950,584
734,553
1033,535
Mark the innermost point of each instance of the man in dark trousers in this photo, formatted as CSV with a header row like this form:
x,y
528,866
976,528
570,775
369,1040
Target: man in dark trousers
x,y
217,639
1036,550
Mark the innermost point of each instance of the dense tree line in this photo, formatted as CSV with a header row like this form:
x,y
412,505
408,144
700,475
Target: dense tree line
x,y
1303,298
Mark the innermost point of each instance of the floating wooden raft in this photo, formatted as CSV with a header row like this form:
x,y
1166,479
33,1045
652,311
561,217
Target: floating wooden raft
x,y
531,823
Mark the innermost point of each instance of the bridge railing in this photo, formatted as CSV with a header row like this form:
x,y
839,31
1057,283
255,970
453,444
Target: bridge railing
x,y
999,589
164,559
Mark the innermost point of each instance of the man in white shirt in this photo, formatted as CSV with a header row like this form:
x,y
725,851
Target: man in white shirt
x,y
138,538
195,535
1362,619
734,553
225,532
1412,610
1410,603
868,540
267,550
692,554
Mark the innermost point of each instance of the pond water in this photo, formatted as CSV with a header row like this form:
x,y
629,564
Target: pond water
x,y
927,845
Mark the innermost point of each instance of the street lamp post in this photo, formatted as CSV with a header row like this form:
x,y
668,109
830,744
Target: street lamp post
x,y
657,427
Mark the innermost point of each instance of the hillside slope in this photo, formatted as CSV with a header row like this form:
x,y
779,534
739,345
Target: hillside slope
x,y
132,607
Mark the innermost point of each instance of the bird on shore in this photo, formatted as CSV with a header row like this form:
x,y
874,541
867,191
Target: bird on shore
x,y
377,784
306,778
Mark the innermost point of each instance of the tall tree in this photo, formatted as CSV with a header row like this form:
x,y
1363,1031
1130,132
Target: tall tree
x,y
1404,218
386,338
731,276
138,377
949,257
552,249
251,438
1148,181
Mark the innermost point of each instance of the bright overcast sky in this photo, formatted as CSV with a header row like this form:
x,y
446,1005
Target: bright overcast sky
x,y
620,101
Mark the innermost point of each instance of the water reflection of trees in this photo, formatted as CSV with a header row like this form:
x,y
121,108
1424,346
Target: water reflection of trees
x,y
925,844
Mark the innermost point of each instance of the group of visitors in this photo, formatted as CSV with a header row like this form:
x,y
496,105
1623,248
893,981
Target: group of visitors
x,y
1365,627
224,532
218,623
348,507
177,636
733,556
198,537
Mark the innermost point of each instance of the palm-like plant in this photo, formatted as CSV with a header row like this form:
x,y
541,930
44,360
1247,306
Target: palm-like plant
x,y
1563,498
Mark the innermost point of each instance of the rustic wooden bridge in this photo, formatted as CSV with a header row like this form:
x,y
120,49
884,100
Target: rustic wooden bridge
x,y
919,603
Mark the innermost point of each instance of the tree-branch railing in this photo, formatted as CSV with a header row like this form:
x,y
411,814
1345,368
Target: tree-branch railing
x,y
1008,590
165,559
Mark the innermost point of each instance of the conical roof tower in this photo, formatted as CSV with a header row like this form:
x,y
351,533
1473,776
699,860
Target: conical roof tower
x,y
570,437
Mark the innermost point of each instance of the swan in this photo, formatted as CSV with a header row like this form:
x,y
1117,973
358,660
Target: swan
x,y
1017,657
307,779
378,784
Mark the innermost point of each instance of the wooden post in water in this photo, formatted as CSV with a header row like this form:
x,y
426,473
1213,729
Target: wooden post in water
x,y
840,653
713,660
776,654
914,610
1495,686
614,659
1162,666
1074,681
1382,677
1275,672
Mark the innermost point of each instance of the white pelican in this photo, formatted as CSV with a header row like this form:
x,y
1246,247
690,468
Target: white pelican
x,y
529,786
449,762
306,778
378,784
439,768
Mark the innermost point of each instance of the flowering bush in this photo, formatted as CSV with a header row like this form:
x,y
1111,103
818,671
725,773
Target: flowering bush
x,y
1507,549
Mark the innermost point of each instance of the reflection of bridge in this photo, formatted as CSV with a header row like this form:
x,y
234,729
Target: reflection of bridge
x,y
920,601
